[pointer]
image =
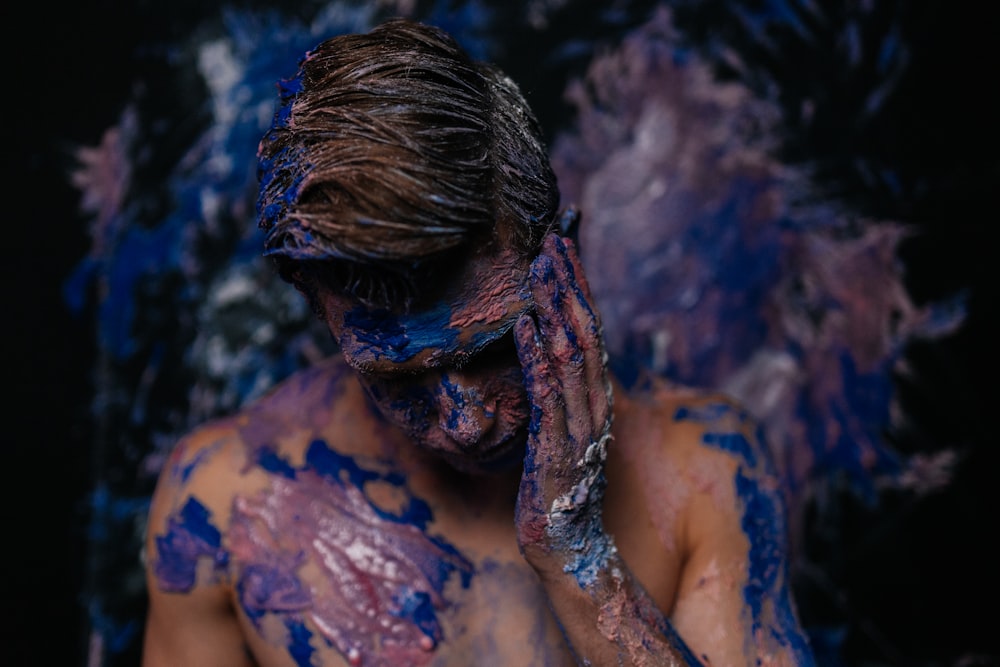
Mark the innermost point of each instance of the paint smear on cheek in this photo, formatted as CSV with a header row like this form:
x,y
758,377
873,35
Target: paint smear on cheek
x,y
317,547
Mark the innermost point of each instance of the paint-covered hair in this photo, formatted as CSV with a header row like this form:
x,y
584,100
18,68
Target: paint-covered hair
x,y
393,151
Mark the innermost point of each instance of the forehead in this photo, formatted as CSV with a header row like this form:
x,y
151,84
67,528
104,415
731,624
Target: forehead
x,y
479,308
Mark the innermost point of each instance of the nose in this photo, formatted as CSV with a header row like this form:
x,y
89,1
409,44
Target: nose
x,y
463,411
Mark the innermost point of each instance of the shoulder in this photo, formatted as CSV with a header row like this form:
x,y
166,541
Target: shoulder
x,y
236,456
691,424
702,462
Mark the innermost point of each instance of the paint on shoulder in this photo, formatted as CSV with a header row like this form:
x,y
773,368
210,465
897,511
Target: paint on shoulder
x,y
190,538
198,449
727,427
307,401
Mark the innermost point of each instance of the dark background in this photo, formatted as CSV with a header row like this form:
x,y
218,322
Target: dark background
x,y
921,576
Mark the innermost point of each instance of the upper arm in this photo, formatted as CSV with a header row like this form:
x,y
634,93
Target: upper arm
x,y
734,605
192,628
190,617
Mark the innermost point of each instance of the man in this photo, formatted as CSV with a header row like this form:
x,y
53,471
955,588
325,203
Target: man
x,y
465,483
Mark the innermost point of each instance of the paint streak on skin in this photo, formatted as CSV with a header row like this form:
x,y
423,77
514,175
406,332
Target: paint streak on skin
x,y
477,423
190,536
767,579
634,638
766,590
301,404
480,310
572,522
734,443
382,577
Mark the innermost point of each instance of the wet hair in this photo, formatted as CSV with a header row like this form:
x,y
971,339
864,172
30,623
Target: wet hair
x,y
392,156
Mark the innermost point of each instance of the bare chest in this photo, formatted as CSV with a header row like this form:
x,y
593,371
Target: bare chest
x,y
342,563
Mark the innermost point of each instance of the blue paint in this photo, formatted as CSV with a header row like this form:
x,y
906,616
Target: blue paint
x,y
763,525
268,587
298,644
190,536
457,397
397,338
591,547
418,608
269,460
381,333
184,471
708,413
734,443
767,573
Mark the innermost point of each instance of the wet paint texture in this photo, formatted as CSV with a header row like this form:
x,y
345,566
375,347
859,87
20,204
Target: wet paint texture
x,y
382,577
478,307
190,537
382,336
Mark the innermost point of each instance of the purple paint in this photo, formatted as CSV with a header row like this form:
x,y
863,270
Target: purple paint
x,y
381,575
274,587
190,536
475,418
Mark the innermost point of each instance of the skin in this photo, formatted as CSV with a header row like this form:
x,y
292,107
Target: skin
x,y
495,498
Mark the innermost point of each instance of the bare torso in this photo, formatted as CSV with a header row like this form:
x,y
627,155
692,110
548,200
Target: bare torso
x,y
338,542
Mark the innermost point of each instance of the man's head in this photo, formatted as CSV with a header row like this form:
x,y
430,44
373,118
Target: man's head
x,y
393,157
405,189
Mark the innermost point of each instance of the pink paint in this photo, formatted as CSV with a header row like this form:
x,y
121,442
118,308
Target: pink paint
x,y
370,568
498,296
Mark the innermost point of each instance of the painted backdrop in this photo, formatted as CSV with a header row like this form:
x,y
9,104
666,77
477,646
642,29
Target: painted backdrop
x,y
778,200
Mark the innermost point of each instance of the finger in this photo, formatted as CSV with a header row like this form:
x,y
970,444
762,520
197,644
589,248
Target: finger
x,y
561,345
539,384
586,323
534,496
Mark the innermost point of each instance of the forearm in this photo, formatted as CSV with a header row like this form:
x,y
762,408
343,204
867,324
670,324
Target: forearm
x,y
606,615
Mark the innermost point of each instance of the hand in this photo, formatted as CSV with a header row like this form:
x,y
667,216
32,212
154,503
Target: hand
x,y
562,354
